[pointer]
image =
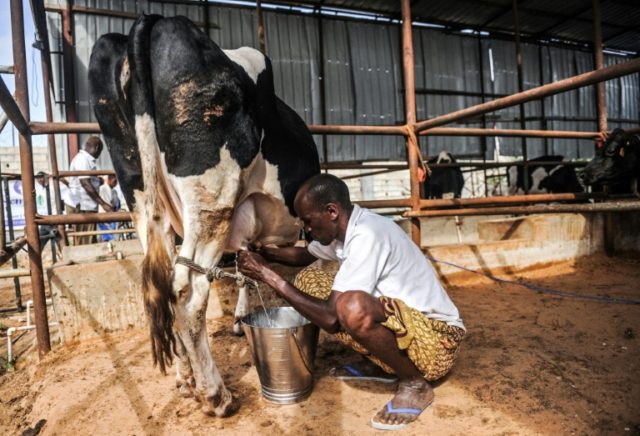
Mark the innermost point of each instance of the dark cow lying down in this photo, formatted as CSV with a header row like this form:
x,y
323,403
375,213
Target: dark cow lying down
x,y
443,182
203,149
616,164
544,178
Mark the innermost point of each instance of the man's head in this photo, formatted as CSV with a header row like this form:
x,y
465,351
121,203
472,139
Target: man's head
x,y
323,204
112,180
93,146
41,178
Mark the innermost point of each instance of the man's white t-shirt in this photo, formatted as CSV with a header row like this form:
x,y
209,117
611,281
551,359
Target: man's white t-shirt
x,y
106,193
379,258
41,199
83,161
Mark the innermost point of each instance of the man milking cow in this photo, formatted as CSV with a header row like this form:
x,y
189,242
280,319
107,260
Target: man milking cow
x,y
385,300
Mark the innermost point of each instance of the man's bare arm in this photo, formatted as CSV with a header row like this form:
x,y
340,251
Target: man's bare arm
x,y
294,256
320,312
91,190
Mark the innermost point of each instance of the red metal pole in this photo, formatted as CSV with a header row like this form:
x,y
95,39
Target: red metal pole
x,y
598,60
466,131
620,206
611,72
41,128
260,28
410,114
28,188
516,25
68,47
601,105
12,110
83,218
51,139
512,199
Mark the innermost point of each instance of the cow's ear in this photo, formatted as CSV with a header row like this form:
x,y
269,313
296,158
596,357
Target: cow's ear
x,y
621,151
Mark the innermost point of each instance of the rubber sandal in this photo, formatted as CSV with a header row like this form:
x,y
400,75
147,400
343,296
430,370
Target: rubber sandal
x,y
390,409
357,375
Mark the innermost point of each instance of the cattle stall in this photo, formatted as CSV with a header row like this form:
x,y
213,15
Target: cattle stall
x,y
414,132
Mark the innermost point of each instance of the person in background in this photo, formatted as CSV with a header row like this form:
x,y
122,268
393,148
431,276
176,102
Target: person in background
x,y
45,232
109,194
41,186
83,190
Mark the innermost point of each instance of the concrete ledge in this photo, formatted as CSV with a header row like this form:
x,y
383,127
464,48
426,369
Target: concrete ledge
x,y
100,252
92,299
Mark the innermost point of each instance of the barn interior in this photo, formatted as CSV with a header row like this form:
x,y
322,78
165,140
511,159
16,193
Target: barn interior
x,y
546,282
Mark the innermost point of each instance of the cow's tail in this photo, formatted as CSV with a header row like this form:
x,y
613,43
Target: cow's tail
x,y
158,296
157,266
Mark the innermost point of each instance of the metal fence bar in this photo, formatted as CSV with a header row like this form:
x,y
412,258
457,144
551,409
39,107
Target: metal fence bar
x,y
14,273
512,199
84,218
12,237
102,232
11,109
28,188
611,72
517,210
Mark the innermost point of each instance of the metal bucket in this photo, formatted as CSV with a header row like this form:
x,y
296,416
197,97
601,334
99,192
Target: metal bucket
x,y
283,351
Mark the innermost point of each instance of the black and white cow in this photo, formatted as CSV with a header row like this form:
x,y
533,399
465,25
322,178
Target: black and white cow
x,y
205,150
443,182
616,164
544,178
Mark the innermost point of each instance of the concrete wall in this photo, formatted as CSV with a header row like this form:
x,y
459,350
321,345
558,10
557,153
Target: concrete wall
x,y
94,294
10,159
627,231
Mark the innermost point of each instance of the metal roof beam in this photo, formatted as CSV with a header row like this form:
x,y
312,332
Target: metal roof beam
x,y
496,16
622,32
562,21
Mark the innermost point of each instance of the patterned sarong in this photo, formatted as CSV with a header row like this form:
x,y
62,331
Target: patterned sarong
x,y
430,344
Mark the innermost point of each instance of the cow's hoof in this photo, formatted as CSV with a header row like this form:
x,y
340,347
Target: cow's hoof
x,y
185,391
186,388
220,405
237,328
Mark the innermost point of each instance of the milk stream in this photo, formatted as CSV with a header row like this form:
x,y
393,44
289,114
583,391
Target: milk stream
x,y
264,308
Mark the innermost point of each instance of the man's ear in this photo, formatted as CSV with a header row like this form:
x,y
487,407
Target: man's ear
x,y
333,211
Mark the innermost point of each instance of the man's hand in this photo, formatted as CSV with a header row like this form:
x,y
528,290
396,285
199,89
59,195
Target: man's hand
x,y
268,252
251,264
107,207
292,256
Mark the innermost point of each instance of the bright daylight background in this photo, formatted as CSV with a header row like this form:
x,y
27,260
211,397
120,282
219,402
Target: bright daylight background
x,y
9,135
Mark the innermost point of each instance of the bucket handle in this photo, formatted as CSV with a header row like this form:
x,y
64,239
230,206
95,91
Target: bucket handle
x,y
304,361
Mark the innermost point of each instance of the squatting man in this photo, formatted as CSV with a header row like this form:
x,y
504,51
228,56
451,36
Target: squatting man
x,y
385,300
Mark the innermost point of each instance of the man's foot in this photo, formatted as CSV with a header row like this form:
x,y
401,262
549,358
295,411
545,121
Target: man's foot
x,y
412,398
363,370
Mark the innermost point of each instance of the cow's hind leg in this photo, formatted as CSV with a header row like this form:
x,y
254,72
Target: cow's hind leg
x,y
185,382
190,326
242,309
205,234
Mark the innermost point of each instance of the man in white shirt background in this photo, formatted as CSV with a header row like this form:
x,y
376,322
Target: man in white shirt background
x,y
83,190
109,194
385,300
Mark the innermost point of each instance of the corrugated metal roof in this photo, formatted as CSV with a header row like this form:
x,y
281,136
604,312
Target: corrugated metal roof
x,y
363,81
544,19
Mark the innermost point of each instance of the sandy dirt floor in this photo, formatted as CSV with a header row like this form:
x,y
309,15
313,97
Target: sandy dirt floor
x,y
531,364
